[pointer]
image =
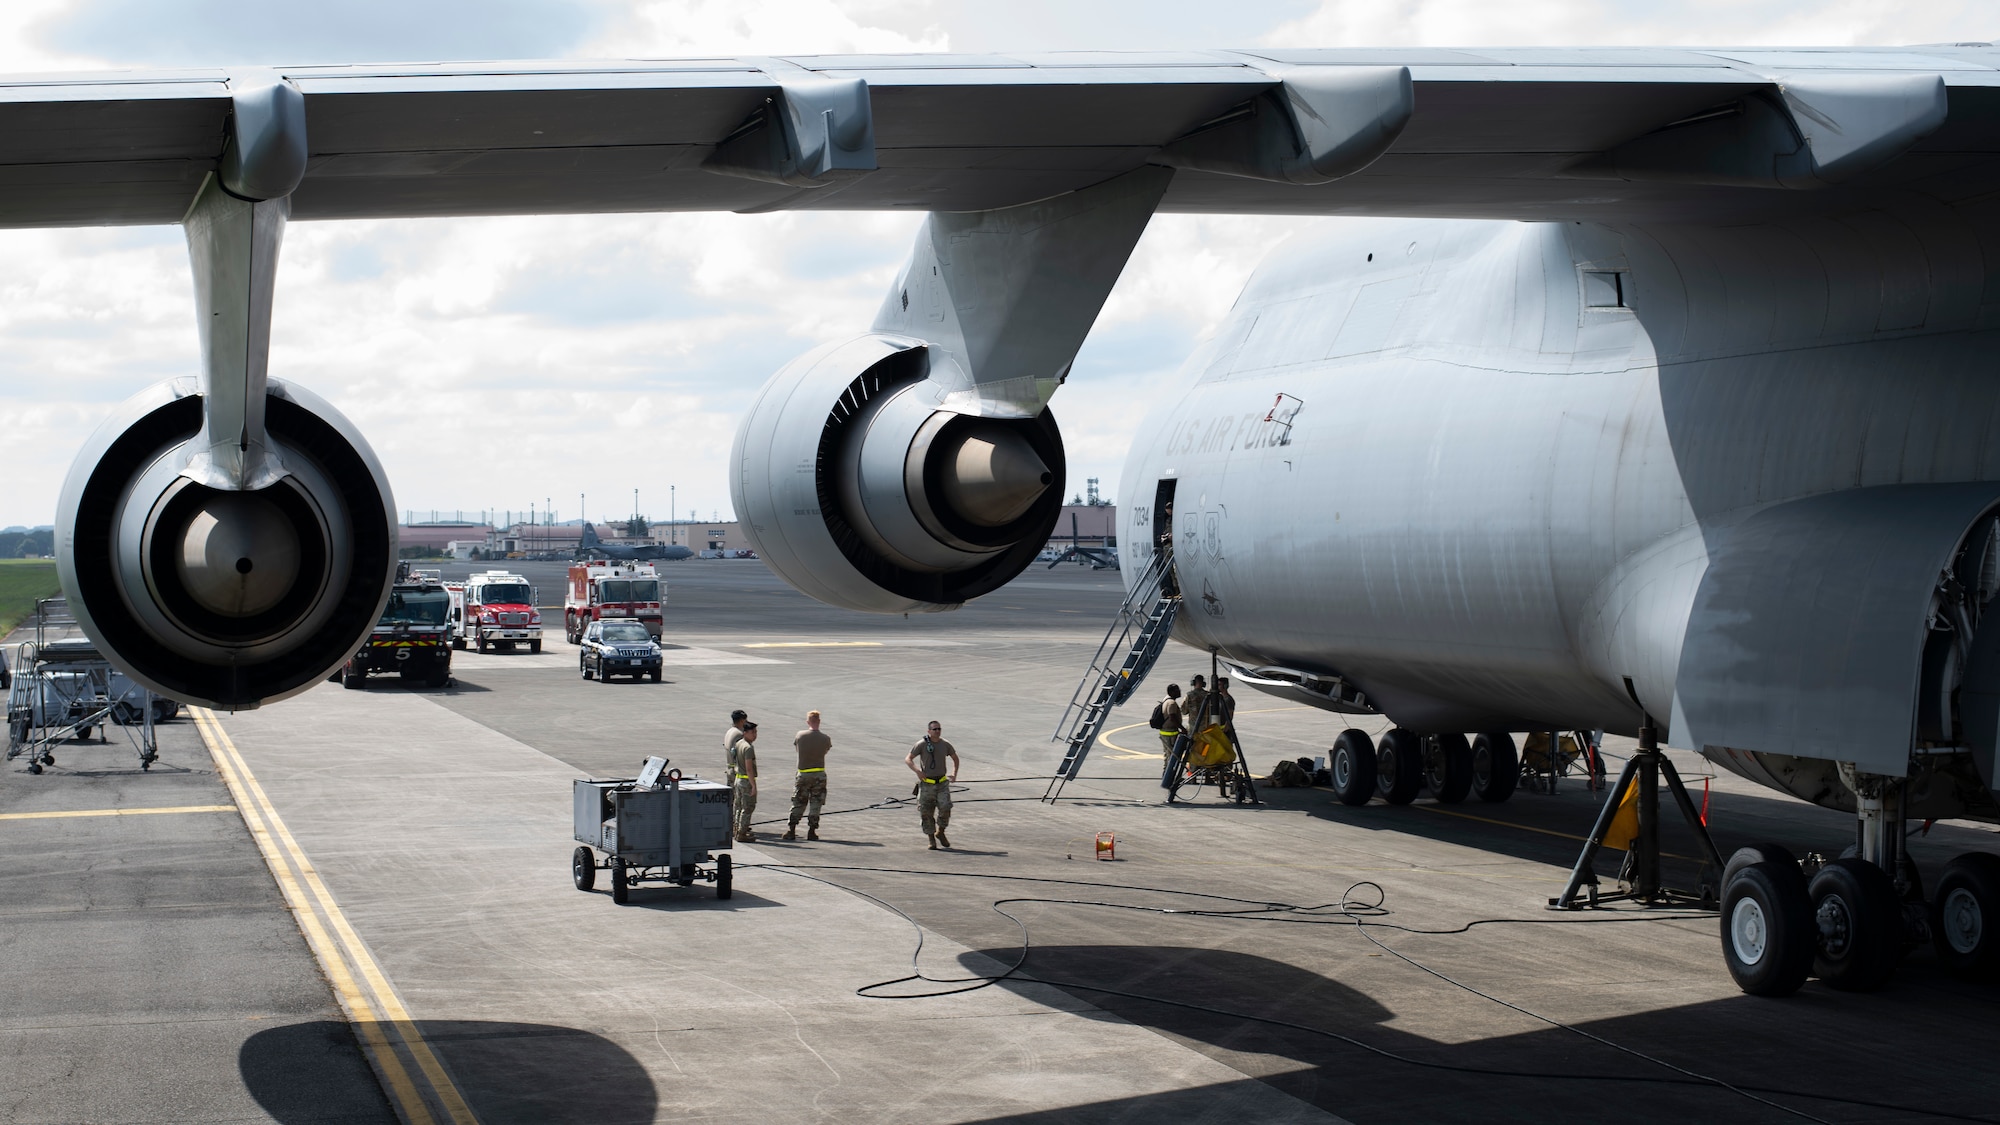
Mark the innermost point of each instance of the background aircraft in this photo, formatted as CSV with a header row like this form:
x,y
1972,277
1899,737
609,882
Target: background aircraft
x,y
589,546
1689,434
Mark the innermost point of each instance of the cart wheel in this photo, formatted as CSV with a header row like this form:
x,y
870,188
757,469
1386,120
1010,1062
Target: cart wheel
x,y
724,877
34,767
621,886
583,868
48,759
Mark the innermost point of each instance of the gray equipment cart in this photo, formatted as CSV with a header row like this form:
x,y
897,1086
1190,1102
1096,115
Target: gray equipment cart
x,y
656,826
62,688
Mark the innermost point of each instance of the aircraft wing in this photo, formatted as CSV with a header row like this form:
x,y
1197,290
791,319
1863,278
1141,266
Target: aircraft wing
x,y
1598,134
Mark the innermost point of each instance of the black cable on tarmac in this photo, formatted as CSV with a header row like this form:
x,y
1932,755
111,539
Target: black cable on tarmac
x,y
1353,912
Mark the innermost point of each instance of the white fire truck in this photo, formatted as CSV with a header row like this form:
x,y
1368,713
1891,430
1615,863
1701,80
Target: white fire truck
x,y
602,590
495,608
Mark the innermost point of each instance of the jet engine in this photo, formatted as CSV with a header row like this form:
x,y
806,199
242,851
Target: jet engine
x,y
860,486
219,597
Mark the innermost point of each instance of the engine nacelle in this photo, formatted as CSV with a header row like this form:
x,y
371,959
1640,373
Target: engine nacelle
x,y
859,488
224,598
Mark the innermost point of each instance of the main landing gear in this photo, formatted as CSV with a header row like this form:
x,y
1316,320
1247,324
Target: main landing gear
x,y
1846,921
1405,764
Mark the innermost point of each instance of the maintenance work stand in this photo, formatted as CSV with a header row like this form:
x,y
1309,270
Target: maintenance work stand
x,y
61,689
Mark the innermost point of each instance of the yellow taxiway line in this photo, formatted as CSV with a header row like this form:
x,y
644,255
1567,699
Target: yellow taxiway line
x,y
380,1020
117,812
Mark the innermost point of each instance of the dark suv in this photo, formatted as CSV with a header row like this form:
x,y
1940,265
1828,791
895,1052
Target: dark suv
x,y
618,648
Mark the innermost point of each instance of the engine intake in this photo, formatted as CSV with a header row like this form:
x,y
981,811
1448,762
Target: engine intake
x,y
858,487
226,598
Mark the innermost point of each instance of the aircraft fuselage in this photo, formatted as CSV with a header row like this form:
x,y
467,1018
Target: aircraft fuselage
x,y
1476,468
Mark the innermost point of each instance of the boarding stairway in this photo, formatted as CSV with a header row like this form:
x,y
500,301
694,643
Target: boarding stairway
x,y
1131,647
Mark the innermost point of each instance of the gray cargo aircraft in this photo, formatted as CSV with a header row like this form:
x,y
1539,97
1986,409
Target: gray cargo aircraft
x,y
1670,408
590,545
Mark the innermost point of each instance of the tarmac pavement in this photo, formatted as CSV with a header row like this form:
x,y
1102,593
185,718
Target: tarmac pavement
x,y
436,826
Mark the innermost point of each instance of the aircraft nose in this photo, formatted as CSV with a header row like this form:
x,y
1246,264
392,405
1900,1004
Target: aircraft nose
x,y
994,477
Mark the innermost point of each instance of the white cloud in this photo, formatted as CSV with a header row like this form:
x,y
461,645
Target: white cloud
x,y
1480,23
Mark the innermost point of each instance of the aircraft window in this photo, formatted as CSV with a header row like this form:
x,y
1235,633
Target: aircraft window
x,y
1603,289
416,607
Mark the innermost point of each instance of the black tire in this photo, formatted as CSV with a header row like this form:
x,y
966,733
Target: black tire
x,y
1965,916
1352,764
621,883
1859,922
1496,766
582,668
656,675
352,678
439,676
725,877
1448,769
1760,853
1399,766
1767,928
535,647
583,868
603,674
34,767
458,644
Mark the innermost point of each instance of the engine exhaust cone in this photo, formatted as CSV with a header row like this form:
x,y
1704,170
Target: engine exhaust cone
x,y
995,477
239,555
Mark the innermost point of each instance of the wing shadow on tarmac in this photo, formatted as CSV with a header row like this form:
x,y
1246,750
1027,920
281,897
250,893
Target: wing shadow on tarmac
x,y
508,1072
1818,1041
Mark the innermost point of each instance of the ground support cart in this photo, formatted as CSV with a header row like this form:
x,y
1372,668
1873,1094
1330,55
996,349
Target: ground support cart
x,y
666,830
64,690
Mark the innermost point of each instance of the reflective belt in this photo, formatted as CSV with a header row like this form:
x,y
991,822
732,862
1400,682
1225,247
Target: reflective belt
x,y
935,780
1168,733
814,769
742,777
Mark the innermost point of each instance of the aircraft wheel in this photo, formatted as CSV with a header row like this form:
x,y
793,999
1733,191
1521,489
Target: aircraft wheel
x,y
1859,922
1352,764
1448,769
1496,766
583,868
1399,766
1965,916
621,883
1767,928
725,877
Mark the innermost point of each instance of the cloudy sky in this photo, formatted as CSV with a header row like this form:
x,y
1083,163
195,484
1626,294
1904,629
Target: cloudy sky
x,y
491,362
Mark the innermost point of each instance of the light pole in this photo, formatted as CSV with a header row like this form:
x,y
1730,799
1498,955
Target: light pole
x,y
673,531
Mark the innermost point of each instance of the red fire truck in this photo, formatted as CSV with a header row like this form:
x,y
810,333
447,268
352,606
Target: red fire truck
x,y
498,609
602,590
